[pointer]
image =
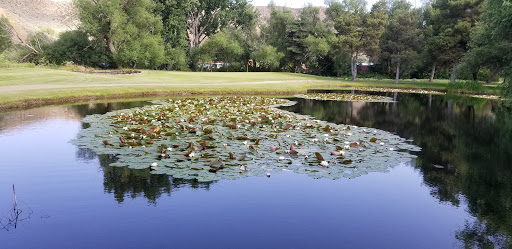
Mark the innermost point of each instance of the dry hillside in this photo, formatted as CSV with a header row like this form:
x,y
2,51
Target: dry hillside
x,y
28,16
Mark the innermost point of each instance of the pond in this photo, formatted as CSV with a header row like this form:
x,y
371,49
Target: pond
x,y
458,191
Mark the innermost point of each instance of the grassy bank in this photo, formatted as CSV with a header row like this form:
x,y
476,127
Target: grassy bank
x,y
26,87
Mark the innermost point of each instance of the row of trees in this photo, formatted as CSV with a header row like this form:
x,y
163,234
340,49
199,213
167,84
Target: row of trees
x,y
443,37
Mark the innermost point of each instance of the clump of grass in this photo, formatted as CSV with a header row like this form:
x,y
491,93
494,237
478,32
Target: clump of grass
x,y
465,87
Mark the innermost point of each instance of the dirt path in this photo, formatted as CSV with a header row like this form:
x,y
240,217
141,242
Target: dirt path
x,y
55,86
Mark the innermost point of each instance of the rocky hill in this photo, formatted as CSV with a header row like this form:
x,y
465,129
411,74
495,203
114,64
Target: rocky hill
x,y
28,16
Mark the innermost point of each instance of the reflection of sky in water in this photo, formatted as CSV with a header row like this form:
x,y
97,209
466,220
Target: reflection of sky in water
x,y
71,209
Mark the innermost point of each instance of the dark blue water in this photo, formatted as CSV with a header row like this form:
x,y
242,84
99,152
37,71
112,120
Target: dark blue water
x,y
71,198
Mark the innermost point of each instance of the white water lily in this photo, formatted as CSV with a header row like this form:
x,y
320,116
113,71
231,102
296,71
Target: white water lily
x,y
349,134
155,164
191,154
242,167
346,142
347,147
391,149
324,163
281,158
381,143
342,153
326,135
169,148
245,142
125,128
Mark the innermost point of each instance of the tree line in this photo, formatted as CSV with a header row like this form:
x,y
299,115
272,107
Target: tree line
x,y
466,39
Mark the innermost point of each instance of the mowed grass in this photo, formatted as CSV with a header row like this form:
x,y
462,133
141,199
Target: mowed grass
x,y
37,86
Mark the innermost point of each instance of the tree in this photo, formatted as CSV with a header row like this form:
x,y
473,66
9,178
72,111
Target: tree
x,y
275,32
307,25
358,30
222,47
5,35
267,57
76,47
207,17
402,37
449,24
129,29
174,33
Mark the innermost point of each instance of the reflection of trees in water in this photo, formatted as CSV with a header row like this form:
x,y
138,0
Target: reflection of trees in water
x,y
470,138
101,108
125,182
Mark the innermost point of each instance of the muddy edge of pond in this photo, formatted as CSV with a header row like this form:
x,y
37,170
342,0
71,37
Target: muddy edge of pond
x,y
33,103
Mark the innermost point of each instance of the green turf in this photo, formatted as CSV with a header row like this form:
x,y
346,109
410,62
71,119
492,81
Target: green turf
x,y
22,84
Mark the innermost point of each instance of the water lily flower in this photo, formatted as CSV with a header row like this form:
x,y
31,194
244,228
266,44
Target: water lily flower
x,y
349,134
391,149
346,142
268,174
326,135
381,143
155,164
191,154
347,147
125,128
169,148
324,164
281,158
109,135
242,167
306,157
245,142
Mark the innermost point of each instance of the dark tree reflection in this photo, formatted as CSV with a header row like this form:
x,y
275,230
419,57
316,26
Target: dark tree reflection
x,y
466,152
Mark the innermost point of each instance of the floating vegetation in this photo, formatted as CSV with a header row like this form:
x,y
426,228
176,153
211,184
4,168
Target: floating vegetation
x,y
345,97
231,137
400,90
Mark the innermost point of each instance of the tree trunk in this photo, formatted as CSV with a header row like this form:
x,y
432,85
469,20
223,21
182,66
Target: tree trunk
x,y
397,77
353,67
453,76
432,73
111,45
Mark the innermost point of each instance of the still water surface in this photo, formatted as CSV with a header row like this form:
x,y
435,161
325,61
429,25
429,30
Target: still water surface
x,y
458,191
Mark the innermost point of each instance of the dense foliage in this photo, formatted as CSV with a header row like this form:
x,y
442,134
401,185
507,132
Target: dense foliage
x,y
464,39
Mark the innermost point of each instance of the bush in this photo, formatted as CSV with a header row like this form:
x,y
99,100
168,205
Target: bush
x,y
465,87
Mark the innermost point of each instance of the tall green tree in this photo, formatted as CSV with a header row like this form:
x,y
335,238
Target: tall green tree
x,y
274,33
301,35
130,30
403,36
491,44
449,25
174,32
5,36
222,47
358,30
205,18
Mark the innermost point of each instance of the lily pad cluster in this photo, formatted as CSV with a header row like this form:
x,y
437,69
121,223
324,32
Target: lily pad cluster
x,y
231,137
400,90
345,97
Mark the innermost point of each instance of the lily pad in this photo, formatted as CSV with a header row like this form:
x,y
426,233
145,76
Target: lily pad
x,y
211,138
